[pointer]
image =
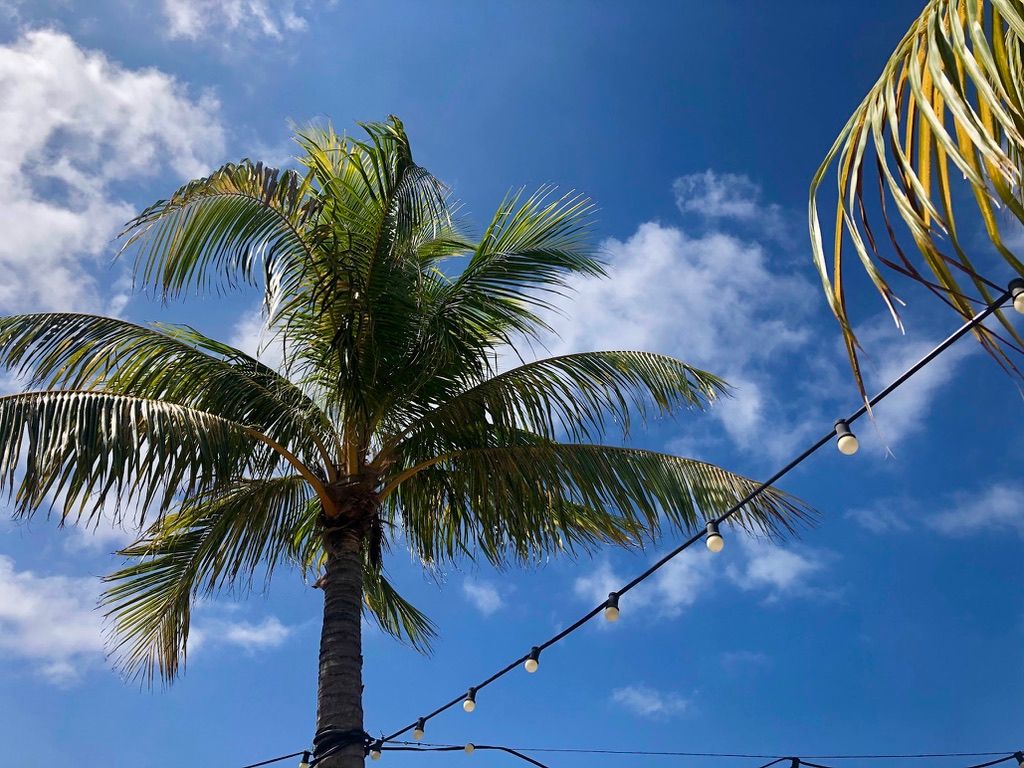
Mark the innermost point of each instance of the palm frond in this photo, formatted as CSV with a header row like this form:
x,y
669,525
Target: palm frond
x,y
76,448
240,219
394,614
576,395
949,102
539,498
170,363
215,540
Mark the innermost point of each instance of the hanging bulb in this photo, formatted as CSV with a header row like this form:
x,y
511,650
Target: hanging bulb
x,y
1017,293
846,441
418,730
1019,756
470,748
375,750
470,703
533,660
713,538
611,607
304,762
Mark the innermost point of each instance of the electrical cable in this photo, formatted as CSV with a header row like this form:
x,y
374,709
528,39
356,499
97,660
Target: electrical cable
x,y
964,329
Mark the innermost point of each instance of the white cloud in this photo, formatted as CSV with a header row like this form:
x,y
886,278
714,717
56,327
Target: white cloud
x,y
251,19
483,595
72,125
269,633
675,586
774,569
644,701
889,354
1000,507
714,196
879,518
50,622
250,335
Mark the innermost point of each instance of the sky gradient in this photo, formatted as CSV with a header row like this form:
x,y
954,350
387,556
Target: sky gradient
x,y
896,624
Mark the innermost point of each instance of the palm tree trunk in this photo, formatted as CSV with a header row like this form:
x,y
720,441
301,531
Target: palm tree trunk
x,y
340,692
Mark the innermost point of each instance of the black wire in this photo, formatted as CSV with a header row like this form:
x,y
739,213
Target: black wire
x,y
456,748
826,438
274,760
1005,755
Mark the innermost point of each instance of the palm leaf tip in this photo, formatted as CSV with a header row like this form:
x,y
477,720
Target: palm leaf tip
x,y
948,105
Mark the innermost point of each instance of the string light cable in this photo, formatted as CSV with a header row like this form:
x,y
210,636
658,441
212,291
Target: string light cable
x,y
846,442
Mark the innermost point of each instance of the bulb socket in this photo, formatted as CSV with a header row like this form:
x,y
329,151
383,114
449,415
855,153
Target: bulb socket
x,y
418,731
470,703
304,762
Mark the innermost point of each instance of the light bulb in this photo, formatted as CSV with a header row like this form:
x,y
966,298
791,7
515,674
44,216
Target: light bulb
x,y
375,750
1017,292
846,441
611,607
1020,759
304,762
418,731
533,660
470,703
470,748
713,538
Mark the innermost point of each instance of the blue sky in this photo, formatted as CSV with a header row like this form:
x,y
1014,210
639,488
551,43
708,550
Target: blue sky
x,y
896,624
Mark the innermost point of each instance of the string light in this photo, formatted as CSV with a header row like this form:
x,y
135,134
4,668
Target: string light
x,y
611,607
1017,292
713,538
469,704
304,762
470,748
846,441
419,730
375,750
533,660
1019,756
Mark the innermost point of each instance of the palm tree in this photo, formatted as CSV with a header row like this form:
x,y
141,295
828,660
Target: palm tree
x,y
949,104
388,423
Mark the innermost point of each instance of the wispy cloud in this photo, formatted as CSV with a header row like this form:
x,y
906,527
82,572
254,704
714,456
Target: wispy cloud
x,y
647,702
248,19
775,570
727,196
483,596
999,507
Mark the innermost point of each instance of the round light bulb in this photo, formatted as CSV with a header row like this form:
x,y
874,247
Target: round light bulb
x,y
470,748
611,613
715,542
532,665
304,762
848,444
418,734
469,705
1018,301
375,754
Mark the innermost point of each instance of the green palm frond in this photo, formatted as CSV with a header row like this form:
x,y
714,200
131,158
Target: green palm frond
x,y
525,257
949,104
215,540
242,217
394,614
70,351
576,394
537,498
76,448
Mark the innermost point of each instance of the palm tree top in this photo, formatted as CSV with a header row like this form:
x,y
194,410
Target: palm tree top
x,y
388,422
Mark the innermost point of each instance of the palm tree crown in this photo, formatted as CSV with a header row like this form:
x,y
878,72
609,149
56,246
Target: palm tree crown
x,y
388,421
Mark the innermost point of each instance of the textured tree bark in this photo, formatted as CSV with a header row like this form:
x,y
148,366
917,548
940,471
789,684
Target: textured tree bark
x,y
340,691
